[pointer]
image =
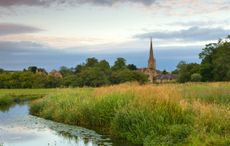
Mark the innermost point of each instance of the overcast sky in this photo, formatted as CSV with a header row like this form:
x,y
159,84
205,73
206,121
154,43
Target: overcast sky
x,y
53,33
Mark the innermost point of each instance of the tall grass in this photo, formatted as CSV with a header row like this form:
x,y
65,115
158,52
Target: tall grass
x,y
218,93
159,115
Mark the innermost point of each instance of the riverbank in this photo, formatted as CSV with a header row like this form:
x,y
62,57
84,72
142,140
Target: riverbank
x,y
11,96
175,114
165,114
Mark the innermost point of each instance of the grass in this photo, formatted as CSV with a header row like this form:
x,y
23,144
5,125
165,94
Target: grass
x,y
163,115
9,97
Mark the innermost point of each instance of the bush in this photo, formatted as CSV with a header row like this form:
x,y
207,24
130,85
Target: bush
x,y
196,77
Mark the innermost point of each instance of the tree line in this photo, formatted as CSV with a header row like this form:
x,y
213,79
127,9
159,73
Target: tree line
x,y
214,66
92,73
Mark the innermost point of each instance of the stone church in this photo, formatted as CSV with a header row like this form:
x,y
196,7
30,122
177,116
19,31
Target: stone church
x,y
151,70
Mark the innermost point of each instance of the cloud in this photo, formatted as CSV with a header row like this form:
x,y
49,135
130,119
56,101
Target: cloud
x,y
208,23
9,28
190,34
22,47
168,7
7,3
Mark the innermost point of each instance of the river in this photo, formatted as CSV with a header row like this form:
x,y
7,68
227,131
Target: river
x,y
19,128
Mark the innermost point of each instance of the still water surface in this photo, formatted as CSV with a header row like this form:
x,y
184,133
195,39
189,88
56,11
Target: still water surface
x,y
18,128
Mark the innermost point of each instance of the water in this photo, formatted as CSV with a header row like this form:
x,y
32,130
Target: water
x,y
18,128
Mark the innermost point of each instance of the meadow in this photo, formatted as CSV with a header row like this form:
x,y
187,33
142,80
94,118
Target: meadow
x,y
188,114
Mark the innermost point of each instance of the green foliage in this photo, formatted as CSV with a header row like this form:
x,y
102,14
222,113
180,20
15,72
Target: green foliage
x,y
32,69
185,71
92,76
96,73
119,64
1,70
164,72
216,61
91,62
196,77
215,64
65,71
126,76
5,100
93,73
131,67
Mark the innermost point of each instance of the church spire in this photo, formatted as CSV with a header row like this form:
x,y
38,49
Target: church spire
x,y
151,64
151,50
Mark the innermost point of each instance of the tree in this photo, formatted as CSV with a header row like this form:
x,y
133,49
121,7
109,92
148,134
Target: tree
x,y
66,71
1,70
216,61
92,76
93,73
164,72
40,81
119,64
33,69
104,65
53,82
131,67
78,68
126,75
26,79
70,81
90,62
186,70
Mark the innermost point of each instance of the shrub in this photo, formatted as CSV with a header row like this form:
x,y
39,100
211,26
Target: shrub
x,y
196,77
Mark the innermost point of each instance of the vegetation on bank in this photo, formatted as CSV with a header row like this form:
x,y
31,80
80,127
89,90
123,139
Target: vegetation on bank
x,y
215,64
93,73
169,114
8,97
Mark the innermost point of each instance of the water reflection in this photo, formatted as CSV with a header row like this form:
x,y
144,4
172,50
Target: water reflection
x,y
18,128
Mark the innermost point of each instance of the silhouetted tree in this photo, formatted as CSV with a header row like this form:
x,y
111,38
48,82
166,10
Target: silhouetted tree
x,y
33,69
131,67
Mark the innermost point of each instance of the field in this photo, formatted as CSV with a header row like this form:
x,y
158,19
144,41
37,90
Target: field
x,y
166,114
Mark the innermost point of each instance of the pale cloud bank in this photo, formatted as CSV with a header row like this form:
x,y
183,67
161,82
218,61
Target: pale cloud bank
x,y
9,29
7,3
190,34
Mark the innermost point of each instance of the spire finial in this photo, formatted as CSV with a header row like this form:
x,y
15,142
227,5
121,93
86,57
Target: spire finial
x,y
151,50
151,42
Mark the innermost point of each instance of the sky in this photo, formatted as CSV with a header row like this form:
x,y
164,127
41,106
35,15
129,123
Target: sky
x,y
54,33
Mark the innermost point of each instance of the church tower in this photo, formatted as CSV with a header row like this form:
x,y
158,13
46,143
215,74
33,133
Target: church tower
x,y
151,64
